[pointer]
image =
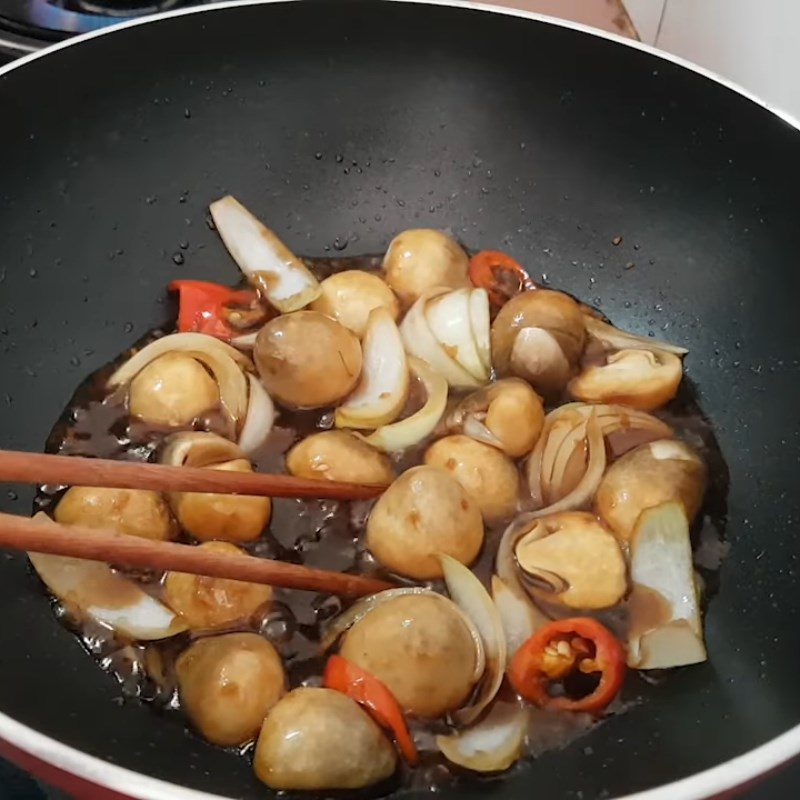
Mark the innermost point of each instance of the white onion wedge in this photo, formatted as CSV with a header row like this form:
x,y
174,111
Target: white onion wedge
x,y
269,265
469,594
664,610
450,320
226,363
94,589
383,386
519,616
617,339
420,341
361,608
481,324
406,432
260,417
491,745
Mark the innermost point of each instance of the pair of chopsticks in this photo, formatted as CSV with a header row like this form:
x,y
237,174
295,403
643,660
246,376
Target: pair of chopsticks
x,y
22,533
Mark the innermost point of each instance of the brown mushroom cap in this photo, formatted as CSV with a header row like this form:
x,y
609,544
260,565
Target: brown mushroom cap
x,y
551,317
339,456
487,475
574,561
205,602
227,517
349,296
320,739
307,360
420,259
136,512
649,475
174,390
423,513
421,648
228,684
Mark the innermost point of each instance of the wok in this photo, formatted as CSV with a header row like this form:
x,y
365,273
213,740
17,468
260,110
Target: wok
x,y
347,122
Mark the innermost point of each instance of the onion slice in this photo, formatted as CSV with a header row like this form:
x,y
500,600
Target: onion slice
x,y
260,417
624,428
247,341
449,316
406,432
519,616
664,610
616,339
420,341
226,363
94,589
383,386
491,745
469,594
361,608
481,323
267,263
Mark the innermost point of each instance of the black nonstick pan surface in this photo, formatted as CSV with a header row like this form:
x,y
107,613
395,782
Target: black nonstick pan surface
x,y
342,123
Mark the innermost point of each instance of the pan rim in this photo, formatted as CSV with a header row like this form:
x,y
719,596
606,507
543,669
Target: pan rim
x,y
728,775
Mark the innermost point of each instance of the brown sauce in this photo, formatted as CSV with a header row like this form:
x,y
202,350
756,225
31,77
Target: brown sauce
x,y
327,534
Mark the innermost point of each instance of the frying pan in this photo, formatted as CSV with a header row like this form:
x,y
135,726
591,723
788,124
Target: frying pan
x,y
343,123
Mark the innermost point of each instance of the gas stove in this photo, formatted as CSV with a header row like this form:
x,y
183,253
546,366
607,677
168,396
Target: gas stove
x,y
28,25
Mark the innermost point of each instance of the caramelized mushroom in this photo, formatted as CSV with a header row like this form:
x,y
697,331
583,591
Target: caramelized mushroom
x,y
205,602
419,259
307,360
319,739
644,379
228,684
349,296
136,512
539,336
228,517
648,476
423,513
173,390
572,560
420,646
486,475
339,456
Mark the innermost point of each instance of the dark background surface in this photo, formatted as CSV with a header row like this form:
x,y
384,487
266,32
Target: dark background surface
x,y
350,122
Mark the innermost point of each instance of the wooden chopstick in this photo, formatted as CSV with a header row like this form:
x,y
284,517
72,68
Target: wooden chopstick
x,y
18,467
23,533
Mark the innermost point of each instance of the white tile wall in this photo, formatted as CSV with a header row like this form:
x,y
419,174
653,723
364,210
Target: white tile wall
x,y
756,43
646,16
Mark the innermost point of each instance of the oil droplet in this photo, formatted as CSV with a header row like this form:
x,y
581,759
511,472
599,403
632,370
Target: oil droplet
x,y
339,158
12,496
340,243
183,245
178,258
318,155
187,113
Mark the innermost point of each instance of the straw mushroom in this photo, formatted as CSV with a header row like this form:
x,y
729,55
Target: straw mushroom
x,y
420,259
645,379
339,456
539,336
205,602
570,559
423,513
319,739
420,646
210,516
507,414
307,360
655,473
227,685
349,296
136,512
485,473
173,390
